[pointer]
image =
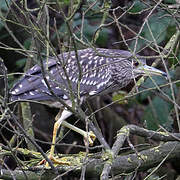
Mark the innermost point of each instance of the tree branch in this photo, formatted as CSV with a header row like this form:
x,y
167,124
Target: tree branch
x,y
115,163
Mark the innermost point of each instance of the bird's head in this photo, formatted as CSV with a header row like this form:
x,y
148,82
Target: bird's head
x,y
140,67
124,70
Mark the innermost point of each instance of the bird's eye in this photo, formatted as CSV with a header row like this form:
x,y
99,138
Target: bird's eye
x,y
136,63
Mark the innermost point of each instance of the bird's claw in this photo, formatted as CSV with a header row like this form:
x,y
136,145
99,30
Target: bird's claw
x,y
89,138
55,160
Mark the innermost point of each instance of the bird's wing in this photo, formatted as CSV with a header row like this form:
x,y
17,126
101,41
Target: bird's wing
x,y
32,85
63,75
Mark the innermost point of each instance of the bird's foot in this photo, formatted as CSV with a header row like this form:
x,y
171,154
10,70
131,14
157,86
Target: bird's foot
x,y
55,160
89,137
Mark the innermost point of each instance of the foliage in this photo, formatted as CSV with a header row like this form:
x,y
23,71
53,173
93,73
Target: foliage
x,y
30,34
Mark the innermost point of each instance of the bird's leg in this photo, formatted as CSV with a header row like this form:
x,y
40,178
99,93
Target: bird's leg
x,y
60,118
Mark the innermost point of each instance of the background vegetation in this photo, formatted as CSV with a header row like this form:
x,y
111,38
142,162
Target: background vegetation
x,y
33,29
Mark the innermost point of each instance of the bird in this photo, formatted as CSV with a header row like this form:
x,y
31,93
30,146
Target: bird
x,y
80,74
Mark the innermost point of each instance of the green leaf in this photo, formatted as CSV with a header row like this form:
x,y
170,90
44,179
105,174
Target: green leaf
x,y
158,110
151,83
89,30
21,62
157,113
103,37
119,97
3,5
156,29
158,24
1,25
27,43
170,1
64,2
137,7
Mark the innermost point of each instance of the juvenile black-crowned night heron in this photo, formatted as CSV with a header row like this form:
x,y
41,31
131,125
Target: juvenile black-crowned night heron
x,y
94,72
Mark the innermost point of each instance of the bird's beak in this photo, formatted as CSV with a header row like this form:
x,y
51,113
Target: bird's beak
x,y
150,70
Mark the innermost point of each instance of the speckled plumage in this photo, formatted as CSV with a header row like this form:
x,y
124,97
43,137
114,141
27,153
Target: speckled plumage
x,y
100,74
104,73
